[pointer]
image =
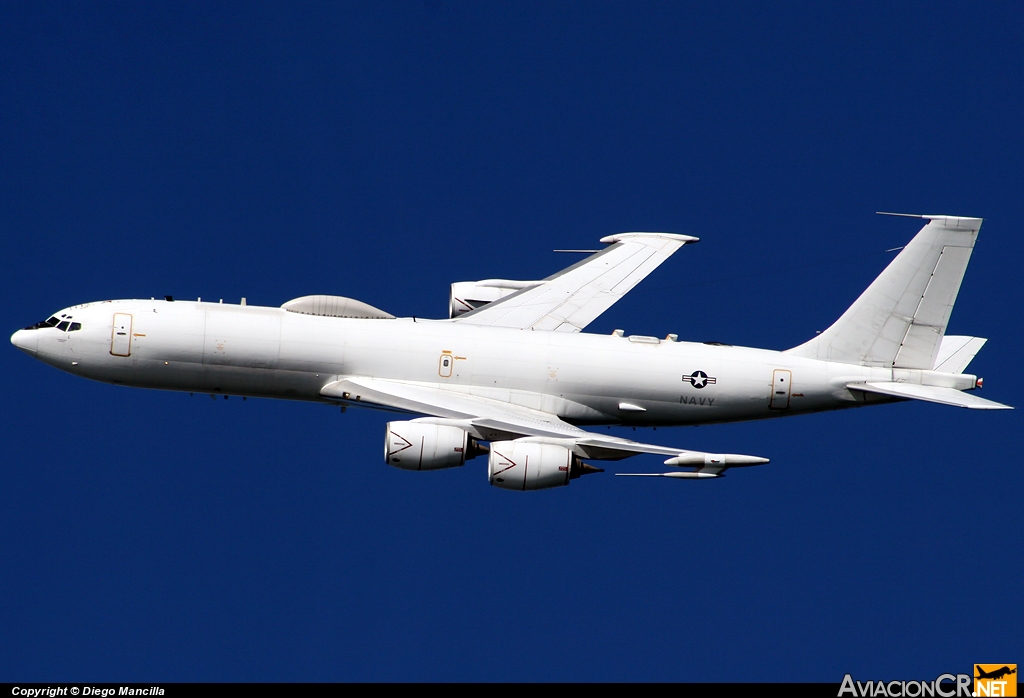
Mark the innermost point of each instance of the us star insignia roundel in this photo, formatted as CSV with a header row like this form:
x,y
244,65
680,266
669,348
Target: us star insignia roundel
x,y
698,379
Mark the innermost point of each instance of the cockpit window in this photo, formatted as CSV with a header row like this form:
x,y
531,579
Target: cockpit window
x,y
63,326
75,326
50,322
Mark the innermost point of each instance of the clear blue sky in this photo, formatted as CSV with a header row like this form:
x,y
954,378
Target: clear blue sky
x,y
384,150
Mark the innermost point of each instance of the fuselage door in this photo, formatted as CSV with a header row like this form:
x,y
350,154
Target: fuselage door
x,y
781,379
121,337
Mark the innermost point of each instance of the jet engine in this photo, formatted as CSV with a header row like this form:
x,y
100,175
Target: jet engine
x,y
529,465
420,446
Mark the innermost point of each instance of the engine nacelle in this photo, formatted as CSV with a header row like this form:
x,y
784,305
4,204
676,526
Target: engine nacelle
x,y
419,446
529,465
470,295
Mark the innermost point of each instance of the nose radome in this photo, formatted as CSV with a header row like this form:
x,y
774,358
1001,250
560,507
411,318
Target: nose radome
x,y
26,340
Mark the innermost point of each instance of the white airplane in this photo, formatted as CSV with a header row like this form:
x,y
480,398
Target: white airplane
x,y
511,367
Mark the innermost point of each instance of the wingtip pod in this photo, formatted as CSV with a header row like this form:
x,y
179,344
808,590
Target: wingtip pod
x,y
675,476
957,222
638,237
709,465
719,460
953,222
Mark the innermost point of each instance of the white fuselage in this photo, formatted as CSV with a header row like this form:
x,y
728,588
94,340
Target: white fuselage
x,y
583,378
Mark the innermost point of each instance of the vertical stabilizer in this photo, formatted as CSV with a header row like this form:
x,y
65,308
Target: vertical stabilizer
x,y
899,321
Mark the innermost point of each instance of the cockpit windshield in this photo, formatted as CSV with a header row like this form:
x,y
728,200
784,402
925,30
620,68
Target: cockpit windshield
x,y
50,322
62,323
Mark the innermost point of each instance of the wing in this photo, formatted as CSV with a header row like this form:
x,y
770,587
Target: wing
x,y
574,297
491,420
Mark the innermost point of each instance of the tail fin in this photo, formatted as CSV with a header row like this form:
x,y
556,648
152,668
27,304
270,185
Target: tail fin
x,y
900,320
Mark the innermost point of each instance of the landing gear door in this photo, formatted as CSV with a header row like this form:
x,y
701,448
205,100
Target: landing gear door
x,y
781,380
121,337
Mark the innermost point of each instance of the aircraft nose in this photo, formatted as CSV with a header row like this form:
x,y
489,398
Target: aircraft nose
x,y
26,340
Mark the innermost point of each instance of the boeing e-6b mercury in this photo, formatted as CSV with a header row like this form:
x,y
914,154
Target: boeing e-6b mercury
x,y
511,367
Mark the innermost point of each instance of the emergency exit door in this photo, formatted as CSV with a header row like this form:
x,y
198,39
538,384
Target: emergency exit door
x,y
781,380
121,337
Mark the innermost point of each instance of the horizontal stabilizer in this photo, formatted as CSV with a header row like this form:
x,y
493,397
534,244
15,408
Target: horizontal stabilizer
x,y
929,393
957,352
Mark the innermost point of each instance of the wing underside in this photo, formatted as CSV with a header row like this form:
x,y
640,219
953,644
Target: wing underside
x,y
491,420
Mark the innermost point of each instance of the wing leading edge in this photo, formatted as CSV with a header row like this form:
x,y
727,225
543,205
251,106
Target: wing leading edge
x,y
574,297
491,420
